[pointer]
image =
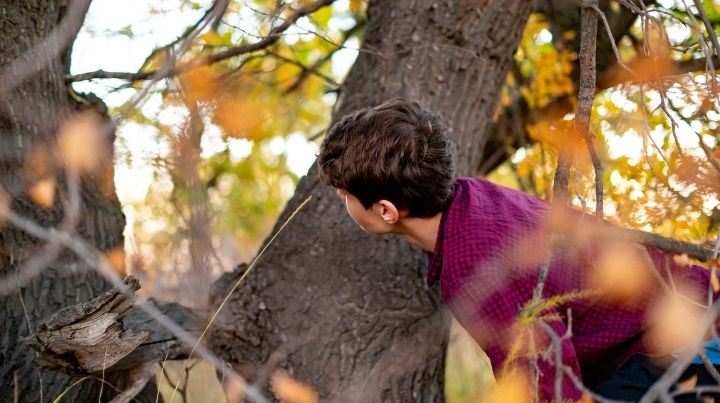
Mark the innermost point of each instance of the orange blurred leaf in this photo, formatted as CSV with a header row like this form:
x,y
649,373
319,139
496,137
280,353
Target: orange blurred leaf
x,y
688,384
43,192
644,69
239,118
201,83
355,5
673,323
290,390
559,133
116,257
621,273
510,388
80,143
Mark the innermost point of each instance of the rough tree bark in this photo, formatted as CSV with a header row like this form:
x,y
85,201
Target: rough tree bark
x,y
29,120
345,312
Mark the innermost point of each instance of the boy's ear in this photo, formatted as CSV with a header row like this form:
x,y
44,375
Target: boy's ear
x,y
388,212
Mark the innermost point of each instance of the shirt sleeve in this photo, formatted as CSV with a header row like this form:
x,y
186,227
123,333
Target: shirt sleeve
x,y
488,308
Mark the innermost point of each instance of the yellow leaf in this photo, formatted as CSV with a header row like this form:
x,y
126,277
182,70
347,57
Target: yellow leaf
x,y
43,192
714,281
290,390
286,75
211,38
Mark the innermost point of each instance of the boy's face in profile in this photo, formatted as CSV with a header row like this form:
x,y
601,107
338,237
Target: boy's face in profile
x,y
373,221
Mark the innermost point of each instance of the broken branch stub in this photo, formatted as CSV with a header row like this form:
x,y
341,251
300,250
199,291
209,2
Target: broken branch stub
x,y
106,333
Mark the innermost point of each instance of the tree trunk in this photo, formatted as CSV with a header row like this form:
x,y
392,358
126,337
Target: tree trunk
x,y
29,119
347,313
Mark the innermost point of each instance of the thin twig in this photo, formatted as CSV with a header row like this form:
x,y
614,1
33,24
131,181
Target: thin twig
x,y
274,35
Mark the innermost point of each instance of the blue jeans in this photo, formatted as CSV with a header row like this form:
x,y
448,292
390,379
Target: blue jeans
x,y
633,379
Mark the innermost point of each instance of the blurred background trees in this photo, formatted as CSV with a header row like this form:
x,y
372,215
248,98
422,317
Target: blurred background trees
x,y
214,131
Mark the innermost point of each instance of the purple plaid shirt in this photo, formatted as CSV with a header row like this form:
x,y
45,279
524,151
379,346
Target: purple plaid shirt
x,y
491,244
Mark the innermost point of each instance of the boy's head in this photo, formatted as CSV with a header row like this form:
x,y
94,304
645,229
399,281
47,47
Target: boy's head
x,y
395,152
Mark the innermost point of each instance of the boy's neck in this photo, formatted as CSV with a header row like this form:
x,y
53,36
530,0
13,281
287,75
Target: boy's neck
x,y
421,232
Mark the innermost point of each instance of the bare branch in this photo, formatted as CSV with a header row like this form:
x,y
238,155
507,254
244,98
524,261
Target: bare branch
x,y
317,64
274,35
102,74
586,96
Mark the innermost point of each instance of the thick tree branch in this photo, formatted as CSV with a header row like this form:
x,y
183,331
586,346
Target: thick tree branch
x,y
672,246
274,35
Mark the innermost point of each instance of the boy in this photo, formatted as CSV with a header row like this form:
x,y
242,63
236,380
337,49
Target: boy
x,y
393,167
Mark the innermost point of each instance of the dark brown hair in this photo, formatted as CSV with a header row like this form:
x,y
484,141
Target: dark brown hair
x,y
395,151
